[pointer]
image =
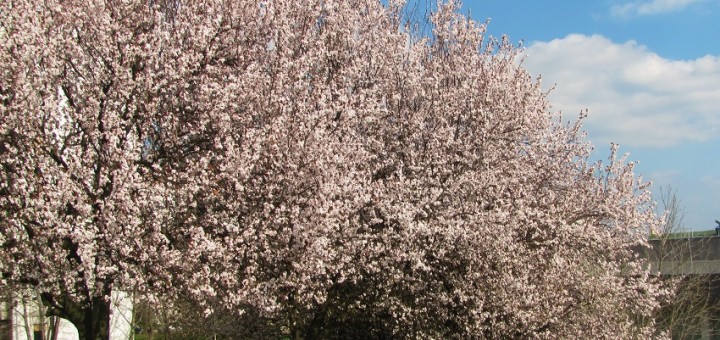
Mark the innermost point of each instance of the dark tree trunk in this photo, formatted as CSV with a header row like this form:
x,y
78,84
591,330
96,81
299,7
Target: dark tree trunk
x,y
92,320
96,322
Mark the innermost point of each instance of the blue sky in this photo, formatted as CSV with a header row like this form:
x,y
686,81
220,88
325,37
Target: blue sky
x,y
648,71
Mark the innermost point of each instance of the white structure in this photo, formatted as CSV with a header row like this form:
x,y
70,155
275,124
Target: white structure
x,y
27,319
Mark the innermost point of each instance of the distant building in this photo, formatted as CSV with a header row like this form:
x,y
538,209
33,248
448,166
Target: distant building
x,y
685,255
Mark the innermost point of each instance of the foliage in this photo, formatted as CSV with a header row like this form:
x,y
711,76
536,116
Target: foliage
x,y
313,166
693,310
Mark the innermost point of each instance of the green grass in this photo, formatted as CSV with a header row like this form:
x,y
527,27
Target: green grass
x,y
685,234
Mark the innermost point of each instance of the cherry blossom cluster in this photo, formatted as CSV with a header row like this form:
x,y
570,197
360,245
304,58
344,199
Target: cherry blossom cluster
x,y
319,165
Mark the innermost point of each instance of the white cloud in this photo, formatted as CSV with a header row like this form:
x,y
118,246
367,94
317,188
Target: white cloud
x,y
649,7
635,97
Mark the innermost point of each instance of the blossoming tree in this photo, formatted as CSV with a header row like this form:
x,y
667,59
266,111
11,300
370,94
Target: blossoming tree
x,y
314,165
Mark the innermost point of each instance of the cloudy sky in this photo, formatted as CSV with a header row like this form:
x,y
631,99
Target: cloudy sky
x,y
648,71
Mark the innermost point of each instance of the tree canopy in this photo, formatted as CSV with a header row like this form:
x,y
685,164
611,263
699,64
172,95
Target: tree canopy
x,y
315,166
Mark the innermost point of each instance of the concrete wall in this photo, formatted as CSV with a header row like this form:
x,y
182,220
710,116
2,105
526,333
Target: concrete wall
x,y
700,255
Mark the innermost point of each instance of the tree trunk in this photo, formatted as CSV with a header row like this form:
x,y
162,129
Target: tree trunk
x,y
55,324
26,322
91,320
95,325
